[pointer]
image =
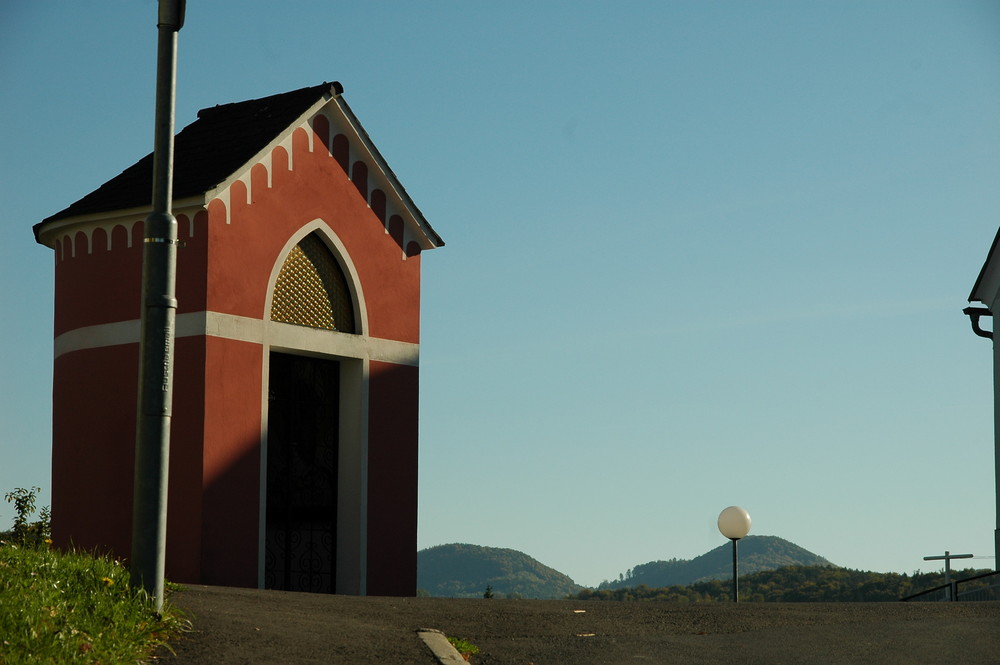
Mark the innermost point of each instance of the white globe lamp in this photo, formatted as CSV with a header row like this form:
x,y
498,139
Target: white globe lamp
x,y
734,523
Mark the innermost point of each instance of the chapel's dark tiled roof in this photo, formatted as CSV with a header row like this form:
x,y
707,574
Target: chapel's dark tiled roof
x,y
206,152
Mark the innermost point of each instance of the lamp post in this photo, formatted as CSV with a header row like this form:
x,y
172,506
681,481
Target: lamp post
x,y
159,304
734,523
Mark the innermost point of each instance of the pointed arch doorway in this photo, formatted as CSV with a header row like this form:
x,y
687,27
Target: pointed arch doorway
x,y
312,512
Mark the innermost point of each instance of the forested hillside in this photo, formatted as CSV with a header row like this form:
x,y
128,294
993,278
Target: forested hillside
x,y
465,571
757,553
771,570
790,584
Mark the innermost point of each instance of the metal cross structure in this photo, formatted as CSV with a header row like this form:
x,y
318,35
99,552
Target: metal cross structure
x,y
948,556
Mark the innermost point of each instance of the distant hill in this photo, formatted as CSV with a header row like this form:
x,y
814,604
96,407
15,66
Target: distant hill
x,y
464,571
757,553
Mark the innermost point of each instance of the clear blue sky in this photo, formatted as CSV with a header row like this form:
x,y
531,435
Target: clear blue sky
x,y
698,253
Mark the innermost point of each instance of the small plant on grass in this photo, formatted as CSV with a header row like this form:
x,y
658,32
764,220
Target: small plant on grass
x,y
24,531
466,648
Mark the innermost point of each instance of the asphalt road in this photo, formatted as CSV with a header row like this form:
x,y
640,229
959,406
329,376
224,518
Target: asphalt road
x,y
240,626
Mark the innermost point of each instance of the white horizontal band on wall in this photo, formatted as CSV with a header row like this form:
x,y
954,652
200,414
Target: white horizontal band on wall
x,y
244,329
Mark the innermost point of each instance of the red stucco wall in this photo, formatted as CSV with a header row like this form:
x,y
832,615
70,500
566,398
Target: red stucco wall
x,y
185,496
93,435
231,473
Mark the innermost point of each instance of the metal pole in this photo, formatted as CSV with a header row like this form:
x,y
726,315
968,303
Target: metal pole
x,y
947,574
736,570
996,452
974,314
159,305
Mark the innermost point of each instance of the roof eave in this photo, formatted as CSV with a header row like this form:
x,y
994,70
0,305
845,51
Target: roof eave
x,y
987,284
48,229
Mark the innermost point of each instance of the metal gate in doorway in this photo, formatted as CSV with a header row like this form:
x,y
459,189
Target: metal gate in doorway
x,y
300,543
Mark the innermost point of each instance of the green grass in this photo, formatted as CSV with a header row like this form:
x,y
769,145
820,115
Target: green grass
x,y
464,647
74,608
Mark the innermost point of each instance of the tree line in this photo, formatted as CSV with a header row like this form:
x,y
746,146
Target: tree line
x,y
790,584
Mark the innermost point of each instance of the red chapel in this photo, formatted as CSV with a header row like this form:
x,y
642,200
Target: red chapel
x,y
293,453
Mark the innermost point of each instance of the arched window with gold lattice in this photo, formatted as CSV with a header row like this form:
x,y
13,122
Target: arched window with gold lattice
x,y
311,289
